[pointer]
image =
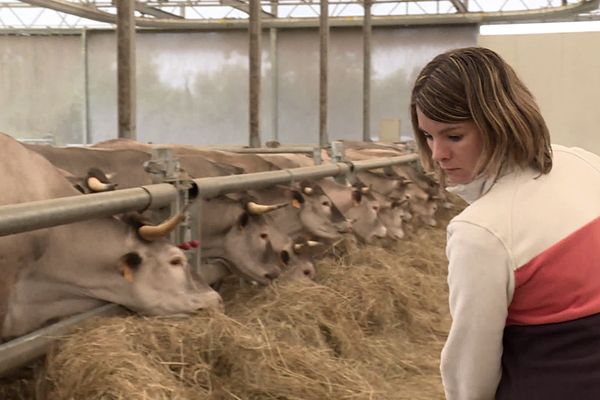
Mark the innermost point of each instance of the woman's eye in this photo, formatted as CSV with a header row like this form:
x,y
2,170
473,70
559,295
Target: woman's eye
x,y
427,136
455,138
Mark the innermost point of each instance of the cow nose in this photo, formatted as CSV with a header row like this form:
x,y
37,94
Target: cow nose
x,y
212,301
271,275
309,272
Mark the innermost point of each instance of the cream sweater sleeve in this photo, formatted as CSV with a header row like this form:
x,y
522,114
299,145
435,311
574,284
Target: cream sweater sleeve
x,y
480,279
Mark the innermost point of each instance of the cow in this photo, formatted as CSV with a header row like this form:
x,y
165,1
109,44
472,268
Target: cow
x,y
358,206
55,272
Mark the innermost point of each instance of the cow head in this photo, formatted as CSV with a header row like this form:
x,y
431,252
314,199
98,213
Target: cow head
x,y
158,281
364,215
233,231
317,213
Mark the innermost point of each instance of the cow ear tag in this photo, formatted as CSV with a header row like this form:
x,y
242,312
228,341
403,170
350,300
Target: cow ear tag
x,y
126,272
295,203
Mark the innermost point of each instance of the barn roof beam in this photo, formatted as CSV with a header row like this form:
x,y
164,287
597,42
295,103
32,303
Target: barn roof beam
x,y
242,6
155,12
460,5
564,12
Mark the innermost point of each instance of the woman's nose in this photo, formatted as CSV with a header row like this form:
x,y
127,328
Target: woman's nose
x,y
439,151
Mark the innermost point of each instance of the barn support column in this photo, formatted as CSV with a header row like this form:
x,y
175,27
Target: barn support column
x,y
324,47
274,78
254,67
367,72
126,85
86,136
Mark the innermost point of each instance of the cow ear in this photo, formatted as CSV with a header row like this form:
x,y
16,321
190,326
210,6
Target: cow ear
x,y
128,264
243,220
297,199
356,196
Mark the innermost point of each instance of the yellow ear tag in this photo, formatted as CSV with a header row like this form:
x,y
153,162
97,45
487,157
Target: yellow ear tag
x,y
127,273
296,204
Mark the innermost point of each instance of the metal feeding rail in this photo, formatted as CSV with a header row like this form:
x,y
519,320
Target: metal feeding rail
x,y
23,217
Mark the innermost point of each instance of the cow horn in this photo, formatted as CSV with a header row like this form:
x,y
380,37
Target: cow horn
x,y
313,243
258,209
365,189
155,232
308,190
407,181
298,247
96,186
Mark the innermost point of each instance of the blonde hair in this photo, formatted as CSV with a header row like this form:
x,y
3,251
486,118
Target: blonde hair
x,y
476,84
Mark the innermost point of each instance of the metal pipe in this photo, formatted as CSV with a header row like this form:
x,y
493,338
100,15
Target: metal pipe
x,y
383,162
21,351
17,218
214,186
258,150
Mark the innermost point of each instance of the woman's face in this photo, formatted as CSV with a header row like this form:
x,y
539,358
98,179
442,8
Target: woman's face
x,y
455,147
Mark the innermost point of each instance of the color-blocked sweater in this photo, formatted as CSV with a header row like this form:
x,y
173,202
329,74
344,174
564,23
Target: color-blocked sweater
x,y
524,280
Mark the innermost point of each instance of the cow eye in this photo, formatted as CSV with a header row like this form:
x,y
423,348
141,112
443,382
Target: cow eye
x,y
264,235
325,203
176,262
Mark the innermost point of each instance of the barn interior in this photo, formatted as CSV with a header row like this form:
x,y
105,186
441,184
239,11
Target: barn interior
x,y
262,90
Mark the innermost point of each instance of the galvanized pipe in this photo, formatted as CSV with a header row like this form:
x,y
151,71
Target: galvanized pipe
x,y
266,150
214,186
23,350
383,162
16,218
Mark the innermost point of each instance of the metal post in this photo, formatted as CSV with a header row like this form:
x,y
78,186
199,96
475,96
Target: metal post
x,y
367,72
126,87
324,45
254,60
86,136
274,78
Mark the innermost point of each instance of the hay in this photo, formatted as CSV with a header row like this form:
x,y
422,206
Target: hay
x,y
371,326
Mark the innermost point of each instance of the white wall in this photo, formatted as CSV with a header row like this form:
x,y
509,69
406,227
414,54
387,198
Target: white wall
x,y
563,72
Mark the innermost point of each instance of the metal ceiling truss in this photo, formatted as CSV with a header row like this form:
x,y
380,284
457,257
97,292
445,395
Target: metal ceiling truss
x,y
233,14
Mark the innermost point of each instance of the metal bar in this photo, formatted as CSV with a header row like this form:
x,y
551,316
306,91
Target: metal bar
x,y
270,150
214,186
155,12
21,351
16,218
383,162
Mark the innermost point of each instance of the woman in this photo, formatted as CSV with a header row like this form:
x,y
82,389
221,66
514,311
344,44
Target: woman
x,y
524,256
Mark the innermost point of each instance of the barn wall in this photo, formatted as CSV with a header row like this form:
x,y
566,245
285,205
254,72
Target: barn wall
x,y
41,86
193,86
563,72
